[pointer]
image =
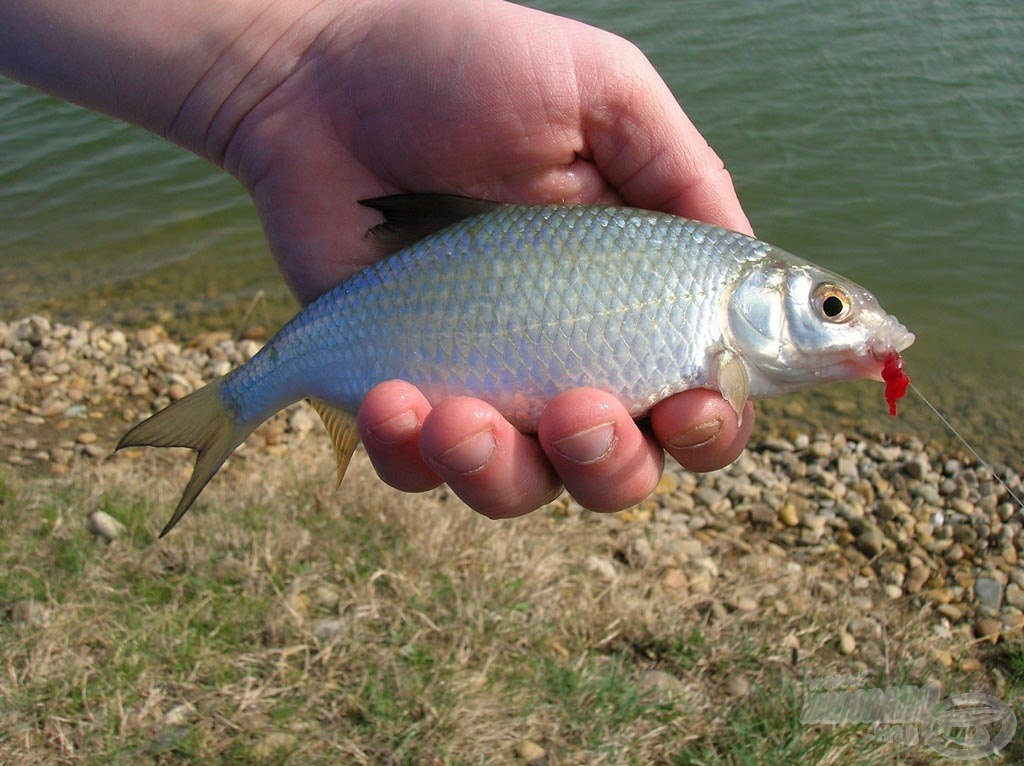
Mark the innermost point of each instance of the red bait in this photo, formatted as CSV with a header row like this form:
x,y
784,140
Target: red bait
x,y
896,380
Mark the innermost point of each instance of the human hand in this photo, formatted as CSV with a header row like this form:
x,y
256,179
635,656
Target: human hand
x,y
491,100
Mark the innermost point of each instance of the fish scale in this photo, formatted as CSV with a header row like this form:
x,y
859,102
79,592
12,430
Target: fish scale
x,y
588,302
515,304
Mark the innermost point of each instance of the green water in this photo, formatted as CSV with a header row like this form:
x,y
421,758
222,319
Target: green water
x,y
883,140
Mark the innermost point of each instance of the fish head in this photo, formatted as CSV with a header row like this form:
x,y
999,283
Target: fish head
x,y
796,325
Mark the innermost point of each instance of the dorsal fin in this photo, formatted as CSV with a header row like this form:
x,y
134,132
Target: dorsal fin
x,y
408,218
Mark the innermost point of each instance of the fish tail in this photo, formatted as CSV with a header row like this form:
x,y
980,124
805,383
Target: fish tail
x,y
198,421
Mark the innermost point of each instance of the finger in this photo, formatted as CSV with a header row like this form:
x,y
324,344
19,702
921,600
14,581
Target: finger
x,y
496,470
700,430
603,458
390,420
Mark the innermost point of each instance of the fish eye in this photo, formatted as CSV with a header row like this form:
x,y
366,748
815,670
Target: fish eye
x,y
832,302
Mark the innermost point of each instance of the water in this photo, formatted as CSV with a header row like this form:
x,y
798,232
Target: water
x,y
882,140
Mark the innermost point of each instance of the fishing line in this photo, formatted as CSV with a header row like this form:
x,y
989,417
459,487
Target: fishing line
x,y
973,451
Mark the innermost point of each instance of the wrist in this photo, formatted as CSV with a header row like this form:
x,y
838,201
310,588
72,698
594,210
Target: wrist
x,y
189,71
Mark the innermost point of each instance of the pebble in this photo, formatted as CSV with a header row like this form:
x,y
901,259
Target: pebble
x,y
179,715
970,665
533,754
675,579
640,553
746,604
916,578
738,687
989,592
104,525
1014,595
847,643
871,541
950,611
602,567
326,630
788,515
272,745
988,629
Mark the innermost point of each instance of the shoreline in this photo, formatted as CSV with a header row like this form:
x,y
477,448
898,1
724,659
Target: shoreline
x,y
920,522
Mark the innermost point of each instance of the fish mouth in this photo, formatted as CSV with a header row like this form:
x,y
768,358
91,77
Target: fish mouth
x,y
894,338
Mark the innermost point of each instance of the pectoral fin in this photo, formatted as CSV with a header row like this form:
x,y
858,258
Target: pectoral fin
x,y
731,376
341,427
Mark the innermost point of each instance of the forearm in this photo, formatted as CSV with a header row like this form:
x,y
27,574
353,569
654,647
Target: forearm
x,y
187,70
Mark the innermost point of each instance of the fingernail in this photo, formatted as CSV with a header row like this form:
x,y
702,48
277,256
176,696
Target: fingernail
x,y
471,455
698,436
589,446
397,429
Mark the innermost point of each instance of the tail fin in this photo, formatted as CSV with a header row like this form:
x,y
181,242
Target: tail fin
x,y
201,422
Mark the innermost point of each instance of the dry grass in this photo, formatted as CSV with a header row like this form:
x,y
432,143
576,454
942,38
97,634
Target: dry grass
x,y
286,623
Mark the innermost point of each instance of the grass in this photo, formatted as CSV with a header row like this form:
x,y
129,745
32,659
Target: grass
x,y
286,623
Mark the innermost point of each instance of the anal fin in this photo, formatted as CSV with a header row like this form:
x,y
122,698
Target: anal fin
x,y
341,427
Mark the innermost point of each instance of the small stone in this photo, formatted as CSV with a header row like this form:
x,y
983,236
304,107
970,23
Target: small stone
x,y
176,391
893,592
762,514
700,584
1013,623
674,579
602,567
815,522
847,643
916,578
846,467
179,715
273,743
943,657
302,421
917,467
738,687
690,548
970,665
711,498
86,437
640,553
788,515
529,751
951,612
746,604
776,444
820,449
662,683
1014,595
326,630
870,542
988,629
667,484
989,592
939,595
104,525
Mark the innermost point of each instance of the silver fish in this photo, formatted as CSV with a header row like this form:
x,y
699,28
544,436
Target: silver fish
x,y
514,304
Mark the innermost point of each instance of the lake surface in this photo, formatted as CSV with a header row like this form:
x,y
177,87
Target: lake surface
x,y
884,141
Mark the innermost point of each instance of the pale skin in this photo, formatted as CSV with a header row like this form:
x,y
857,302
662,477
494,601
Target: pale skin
x,y
315,105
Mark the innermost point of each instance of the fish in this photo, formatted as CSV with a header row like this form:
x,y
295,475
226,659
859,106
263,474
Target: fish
x,y
516,303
